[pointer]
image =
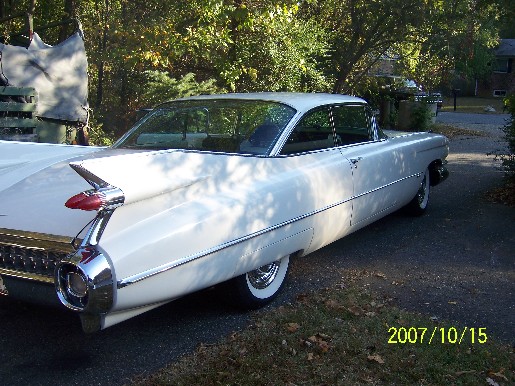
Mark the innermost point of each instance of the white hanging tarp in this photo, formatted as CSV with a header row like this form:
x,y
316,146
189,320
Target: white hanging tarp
x,y
58,73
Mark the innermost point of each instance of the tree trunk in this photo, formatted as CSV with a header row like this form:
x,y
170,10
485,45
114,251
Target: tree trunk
x,y
70,11
338,85
343,74
102,45
233,48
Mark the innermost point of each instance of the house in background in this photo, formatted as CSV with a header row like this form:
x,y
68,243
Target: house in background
x,y
384,66
502,80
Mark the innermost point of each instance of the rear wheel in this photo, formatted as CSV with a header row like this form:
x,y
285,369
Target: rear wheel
x,y
419,203
259,287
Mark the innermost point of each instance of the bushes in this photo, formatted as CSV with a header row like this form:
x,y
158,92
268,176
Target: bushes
x,y
421,116
414,116
508,160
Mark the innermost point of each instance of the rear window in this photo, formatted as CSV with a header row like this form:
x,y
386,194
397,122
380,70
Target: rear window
x,y
231,126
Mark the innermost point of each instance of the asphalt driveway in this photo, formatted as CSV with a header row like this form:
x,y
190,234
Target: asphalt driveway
x,y
456,262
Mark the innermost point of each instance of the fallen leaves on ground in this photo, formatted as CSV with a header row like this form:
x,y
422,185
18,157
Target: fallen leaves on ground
x,y
498,374
503,195
453,131
336,334
292,327
375,358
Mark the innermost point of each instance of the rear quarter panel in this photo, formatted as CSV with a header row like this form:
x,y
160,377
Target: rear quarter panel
x,y
219,216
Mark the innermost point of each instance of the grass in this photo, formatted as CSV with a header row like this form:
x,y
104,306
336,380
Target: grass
x,y
473,105
339,336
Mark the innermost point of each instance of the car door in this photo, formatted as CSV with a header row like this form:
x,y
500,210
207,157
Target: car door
x,y
375,166
311,145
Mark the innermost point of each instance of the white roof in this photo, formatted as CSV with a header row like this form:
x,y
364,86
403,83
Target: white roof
x,y
299,101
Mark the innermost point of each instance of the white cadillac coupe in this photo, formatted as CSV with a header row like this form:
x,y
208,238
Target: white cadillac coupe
x,y
203,190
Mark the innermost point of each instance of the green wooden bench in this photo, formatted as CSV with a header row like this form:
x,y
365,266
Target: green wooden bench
x,y
18,119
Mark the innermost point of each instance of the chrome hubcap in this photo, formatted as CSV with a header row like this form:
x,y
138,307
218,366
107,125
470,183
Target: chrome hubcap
x,y
264,276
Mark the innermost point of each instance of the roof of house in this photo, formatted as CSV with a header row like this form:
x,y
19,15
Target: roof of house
x,y
506,48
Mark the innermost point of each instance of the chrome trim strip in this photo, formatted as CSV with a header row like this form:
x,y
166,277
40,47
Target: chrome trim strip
x,y
166,267
26,276
384,186
97,228
34,240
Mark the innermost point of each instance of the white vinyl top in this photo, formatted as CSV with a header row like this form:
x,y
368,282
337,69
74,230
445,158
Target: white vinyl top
x,y
299,101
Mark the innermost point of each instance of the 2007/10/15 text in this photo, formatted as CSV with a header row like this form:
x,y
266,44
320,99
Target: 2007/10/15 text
x,y
451,335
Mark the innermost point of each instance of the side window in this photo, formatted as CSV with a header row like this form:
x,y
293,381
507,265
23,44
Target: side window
x,y
313,132
352,125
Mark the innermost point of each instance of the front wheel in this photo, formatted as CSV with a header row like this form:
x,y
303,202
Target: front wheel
x,y
419,203
259,287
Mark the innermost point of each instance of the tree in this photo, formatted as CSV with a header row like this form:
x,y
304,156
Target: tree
x,y
455,41
69,12
255,45
506,19
272,49
16,18
360,31
244,45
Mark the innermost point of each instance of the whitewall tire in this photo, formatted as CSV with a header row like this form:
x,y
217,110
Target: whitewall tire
x,y
419,203
259,287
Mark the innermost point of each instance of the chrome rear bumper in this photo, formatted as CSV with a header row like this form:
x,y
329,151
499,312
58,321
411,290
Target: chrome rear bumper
x,y
438,173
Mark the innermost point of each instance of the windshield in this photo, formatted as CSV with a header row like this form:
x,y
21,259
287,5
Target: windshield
x,y
221,125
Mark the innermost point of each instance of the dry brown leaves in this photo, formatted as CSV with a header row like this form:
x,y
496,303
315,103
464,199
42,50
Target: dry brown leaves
x,y
503,195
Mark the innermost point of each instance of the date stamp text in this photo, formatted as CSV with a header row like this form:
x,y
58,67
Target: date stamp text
x,y
443,335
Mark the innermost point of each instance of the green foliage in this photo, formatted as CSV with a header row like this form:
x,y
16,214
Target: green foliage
x,y
507,26
160,87
279,53
359,32
97,136
509,129
508,160
265,45
454,41
421,116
